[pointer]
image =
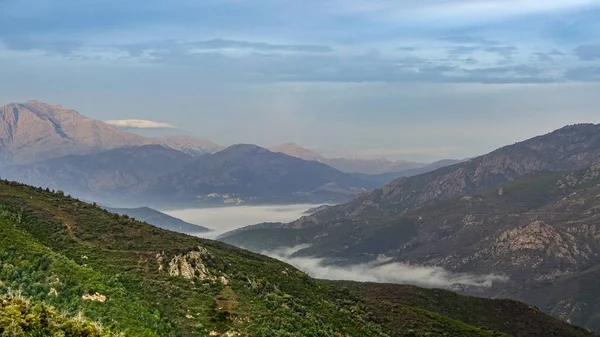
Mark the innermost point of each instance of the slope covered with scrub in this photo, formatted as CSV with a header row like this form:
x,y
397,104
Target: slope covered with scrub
x,y
132,278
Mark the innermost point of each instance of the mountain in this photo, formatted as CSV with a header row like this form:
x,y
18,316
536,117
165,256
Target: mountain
x,y
101,175
528,211
159,219
186,144
364,166
107,274
294,150
36,131
386,178
570,148
248,173
161,176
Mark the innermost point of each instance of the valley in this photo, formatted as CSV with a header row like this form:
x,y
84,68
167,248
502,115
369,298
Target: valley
x,y
516,223
300,168
224,219
128,277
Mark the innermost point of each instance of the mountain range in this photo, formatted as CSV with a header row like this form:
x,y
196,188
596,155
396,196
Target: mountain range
x,y
70,268
52,146
528,211
36,131
156,175
387,170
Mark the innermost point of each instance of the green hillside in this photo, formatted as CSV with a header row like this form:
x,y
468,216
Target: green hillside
x,y
128,277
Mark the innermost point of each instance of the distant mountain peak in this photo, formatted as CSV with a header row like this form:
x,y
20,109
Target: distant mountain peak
x,y
245,147
36,131
349,165
295,150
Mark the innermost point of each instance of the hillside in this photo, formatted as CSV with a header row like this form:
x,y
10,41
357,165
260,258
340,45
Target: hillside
x,y
157,175
137,279
100,175
540,230
159,219
37,131
570,148
252,174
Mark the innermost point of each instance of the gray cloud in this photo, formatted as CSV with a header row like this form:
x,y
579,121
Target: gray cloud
x,y
262,62
63,47
274,67
260,46
542,57
463,39
179,47
504,51
382,271
556,52
588,52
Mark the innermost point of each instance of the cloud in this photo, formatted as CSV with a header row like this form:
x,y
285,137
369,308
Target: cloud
x,y
463,39
384,272
542,57
457,12
139,124
260,46
588,52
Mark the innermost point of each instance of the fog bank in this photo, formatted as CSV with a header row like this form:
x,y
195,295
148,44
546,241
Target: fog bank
x,y
224,219
383,272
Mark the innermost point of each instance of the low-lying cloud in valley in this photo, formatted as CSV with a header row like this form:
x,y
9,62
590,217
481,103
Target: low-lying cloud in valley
x,y
384,272
224,219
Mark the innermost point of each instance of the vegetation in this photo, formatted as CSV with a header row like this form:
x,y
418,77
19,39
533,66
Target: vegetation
x,y
138,280
22,317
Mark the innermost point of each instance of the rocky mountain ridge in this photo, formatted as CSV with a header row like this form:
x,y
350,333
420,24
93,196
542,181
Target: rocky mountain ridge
x,y
528,211
569,148
540,231
37,131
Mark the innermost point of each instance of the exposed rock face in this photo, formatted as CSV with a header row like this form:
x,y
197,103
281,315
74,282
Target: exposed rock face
x,y
190,266
35,131
94,297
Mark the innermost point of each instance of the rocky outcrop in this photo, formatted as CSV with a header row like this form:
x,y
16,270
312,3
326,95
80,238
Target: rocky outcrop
x,y
190,266
97,297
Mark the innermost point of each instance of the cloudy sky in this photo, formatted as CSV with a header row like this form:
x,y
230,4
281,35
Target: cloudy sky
x,y
413,79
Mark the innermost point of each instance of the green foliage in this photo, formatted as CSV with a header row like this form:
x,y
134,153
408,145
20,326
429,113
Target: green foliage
x,y
20,316
143,281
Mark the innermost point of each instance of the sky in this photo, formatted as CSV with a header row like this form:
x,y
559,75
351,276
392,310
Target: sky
x,y
414,79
